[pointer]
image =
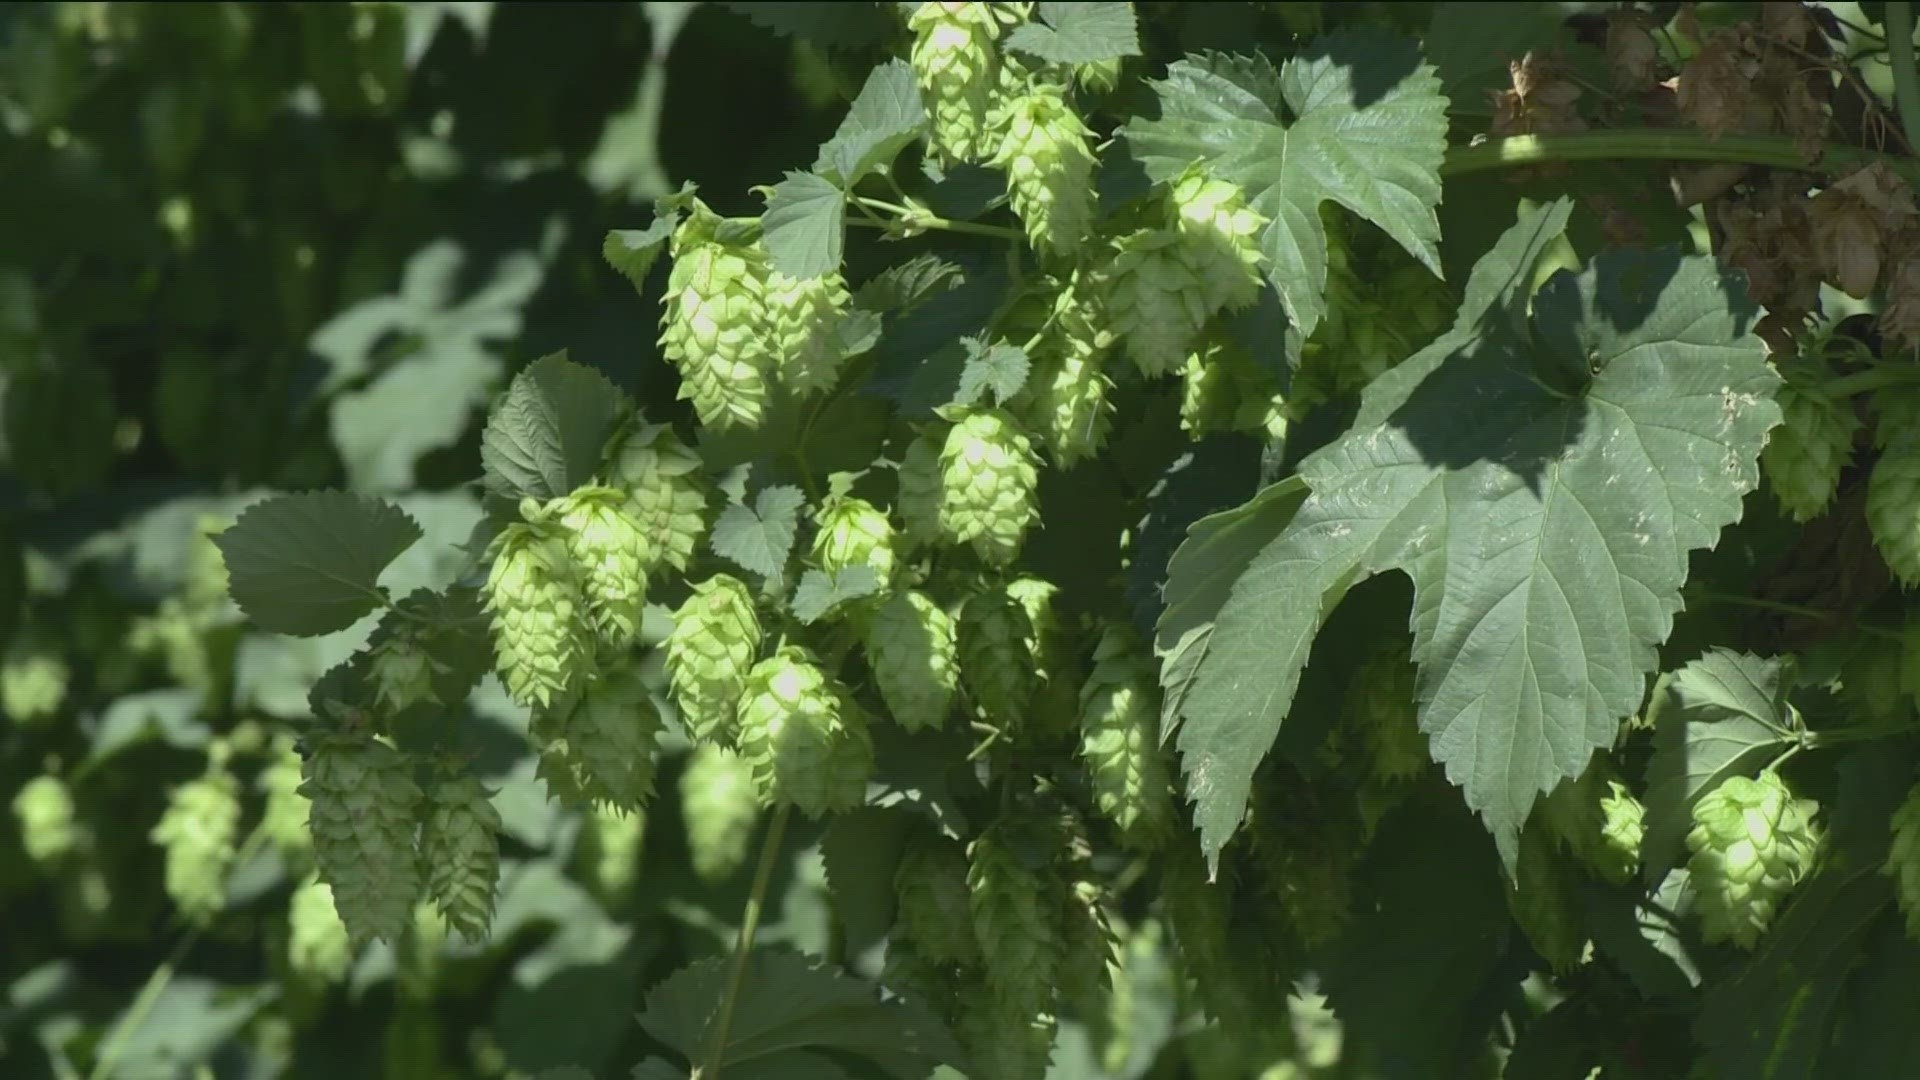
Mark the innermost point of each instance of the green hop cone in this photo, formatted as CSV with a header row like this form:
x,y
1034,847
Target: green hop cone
x,y
805,316
1052,656
989,479
996,661
853,532
1752,842
1221,235
721,808
1197,911
955,61
932,985
539,638
1016,918
1046,152
716,635
318,948
197,833
1304,848
934,908
1157,299
1120,741
1381,708
610,555
44,809
1545,901
402,672
1893,506
33,681
715,321
284,820
804,737
1091,949
912,647
920,495
1805,454
616,839
1224,390
611,736
1066,400
1623,825
365,824
460,844
666,495
1597,819
1903,860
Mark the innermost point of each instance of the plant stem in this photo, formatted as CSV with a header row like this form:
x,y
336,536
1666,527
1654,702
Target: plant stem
x,y
1874,378
1662,144
922,219
1815,740
749,926
1906,82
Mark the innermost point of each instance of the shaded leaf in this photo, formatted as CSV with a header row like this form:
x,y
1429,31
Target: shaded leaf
x,y
1079,33
862,850
821,594
545,437
310,563
633,251
888,115
805,225
836,25
1000,368
761,537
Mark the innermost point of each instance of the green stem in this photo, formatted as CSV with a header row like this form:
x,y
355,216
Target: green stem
x,y
1662,144
1874,378
1906,82
1780,606
922,219
1816,740
749,926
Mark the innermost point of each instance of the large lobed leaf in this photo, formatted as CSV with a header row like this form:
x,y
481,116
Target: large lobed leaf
x,y
1546,532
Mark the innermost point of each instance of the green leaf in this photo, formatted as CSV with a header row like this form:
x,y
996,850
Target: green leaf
x,y
1369,131
1648,936
821,594
545,437
760,538
835,25
862,851
1471,44
1000,368
310,563
633,251
805,225
185,1025
1725,714
1874,1035
887,116
452,628
1079,33
1546,534
657,1069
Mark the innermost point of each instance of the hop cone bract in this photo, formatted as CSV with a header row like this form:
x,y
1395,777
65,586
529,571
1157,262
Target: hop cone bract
x,y
955,61
539,636
1065,400
920,494
197,832
610,735
716,634
1157,299
1752,842
1617,857
285,818
989,477
1046,153
666,495
912,647
460,844
1221,234
720,807
1223,390
1804,455
995,659
1893,506
804,316
1016,920
402,672
1120,741
934,913
610,554
365,823
805,739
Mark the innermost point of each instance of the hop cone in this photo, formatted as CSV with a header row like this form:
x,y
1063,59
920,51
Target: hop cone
x,y
1903,860
716,634
402,673
1196,910
989,476
460,844
720,807
805,316
934,913
912,648
666,496
996,663
1224,390
1157,299
539,640
364,821
618,839
1598,820
1065,400
1016,920
1055,706
1120,741
1546,903
1804,455
1752,842
921,493
853,532
318,948
1381,702
1305,847
610,554
197,832
1045,150
284,821
805,739
33,682
954,60
1893,506
1091,949
1004,1042
714,324
611,735
1617,857
44,808
1221,235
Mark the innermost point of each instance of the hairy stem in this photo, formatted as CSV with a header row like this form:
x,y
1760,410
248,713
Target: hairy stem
x,y
1906,82
1662,144
749,926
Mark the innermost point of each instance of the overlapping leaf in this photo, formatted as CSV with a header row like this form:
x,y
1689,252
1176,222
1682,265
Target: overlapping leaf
x,y
310,563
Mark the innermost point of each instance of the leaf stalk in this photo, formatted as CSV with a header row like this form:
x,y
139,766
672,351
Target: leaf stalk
x,y
743,946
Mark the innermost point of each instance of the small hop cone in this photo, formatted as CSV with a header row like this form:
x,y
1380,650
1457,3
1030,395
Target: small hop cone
x,y
716,635
33,681
610,553
402,673
44,809
954,59
805,739
197,833
1752,842
1804,456
666,496
1221,234
721,808
714,324
989,480
1545,901
996,664
1046,153
612,736
1052,656
1195,910
318,948
1382,707
853,532
1903,860
1597,819
365,824
539,638
1016,922
1120,741
1157,299
913,648
619,839
284,821
1066,400
1224,390
1893,506
460,843
1621,831
934,908
920,495
805,316
1091,949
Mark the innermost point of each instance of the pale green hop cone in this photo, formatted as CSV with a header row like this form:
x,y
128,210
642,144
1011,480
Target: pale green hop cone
x,y
612,737
989,485
1045,150
715,321
460,844
955,60
318,948
1221,235
1752,842
197,832
804,737
716,636
667,495
920,494
721,809
805,316
402,672
1805,455
1120,741
1893,506
610,549
996,658
540,638
912,645
44,810
1016,920
365,821
853,532
1157,299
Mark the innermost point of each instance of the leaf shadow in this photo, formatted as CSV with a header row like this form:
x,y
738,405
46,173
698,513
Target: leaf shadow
x,y
1375,63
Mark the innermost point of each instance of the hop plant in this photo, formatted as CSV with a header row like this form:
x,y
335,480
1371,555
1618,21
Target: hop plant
x,y
33,681
1893,506
720,807
1044,149
921,493
1804,456
364,820
1157,299
1380,698
1752,842
1597,819
912,647
989,477
853,532
460,844
197,833
804,317
44,809
666,496
954,59
934,906
803,736
1120,743
714,322
716,635
402,672
1221,236
318,948
611,735
1903,860
284,820
540,644
1016,919
1091,948
1004,1042
608,547
1056,674
995,658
